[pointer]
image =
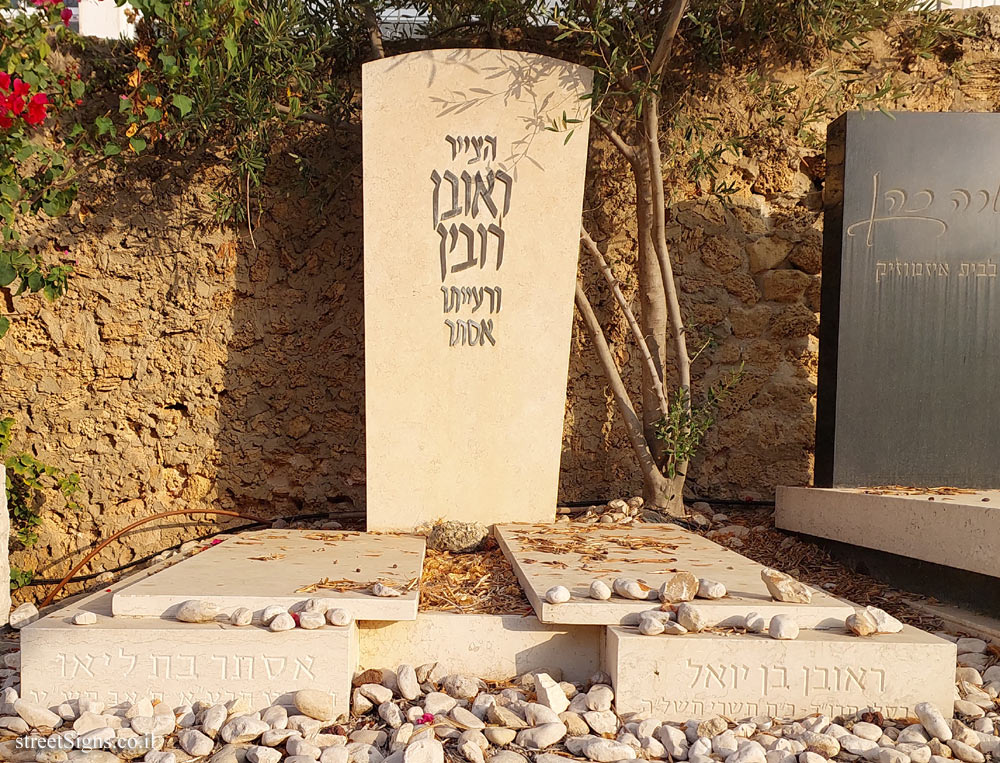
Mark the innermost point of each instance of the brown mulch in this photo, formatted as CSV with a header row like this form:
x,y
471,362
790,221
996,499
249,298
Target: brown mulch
x,y
812,564
482,583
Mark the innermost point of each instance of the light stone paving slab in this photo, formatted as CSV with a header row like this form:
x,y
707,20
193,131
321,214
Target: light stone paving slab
x,y
123,659
492,647
743,675
960,530
573,555
4,556
472,234
257,569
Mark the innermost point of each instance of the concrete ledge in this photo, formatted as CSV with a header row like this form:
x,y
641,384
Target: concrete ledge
x,y
741,676
493,647
961,531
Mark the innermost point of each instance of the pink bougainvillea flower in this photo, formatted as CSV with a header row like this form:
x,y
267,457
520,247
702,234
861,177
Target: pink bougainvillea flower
x,y
6,122
66,15
295,617
16,105
21,87
425,718
216,541
36,109
4,81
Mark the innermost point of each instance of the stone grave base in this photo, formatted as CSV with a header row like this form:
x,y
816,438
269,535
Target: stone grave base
x,y
740,676
121,658
960,530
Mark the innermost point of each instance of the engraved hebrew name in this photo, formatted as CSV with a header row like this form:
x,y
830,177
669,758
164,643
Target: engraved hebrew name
x,y
468,209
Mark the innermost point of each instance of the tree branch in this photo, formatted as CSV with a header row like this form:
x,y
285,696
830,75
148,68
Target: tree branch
x,y
651,120
619,142
374,31
308,116
640,340
667,36
632,423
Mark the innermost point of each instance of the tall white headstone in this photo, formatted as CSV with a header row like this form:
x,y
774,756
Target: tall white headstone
x,y
4,556
473,190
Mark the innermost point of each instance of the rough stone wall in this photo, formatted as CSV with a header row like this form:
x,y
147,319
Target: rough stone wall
x,y
192,368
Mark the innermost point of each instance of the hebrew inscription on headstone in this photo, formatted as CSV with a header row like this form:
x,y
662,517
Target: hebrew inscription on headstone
x,y
473,189
910,321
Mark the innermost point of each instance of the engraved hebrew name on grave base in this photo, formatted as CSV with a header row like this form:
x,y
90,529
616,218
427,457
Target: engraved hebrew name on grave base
x,y
706,674
125,659
472,226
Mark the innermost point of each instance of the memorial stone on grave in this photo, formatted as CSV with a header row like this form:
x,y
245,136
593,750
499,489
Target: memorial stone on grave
x,y
474,167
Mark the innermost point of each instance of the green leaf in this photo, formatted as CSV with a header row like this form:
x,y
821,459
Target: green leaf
x,y
4,325
76,89
230,45
138,144
112,149
35,281
24,152
104,125
153,115
183,104
7,271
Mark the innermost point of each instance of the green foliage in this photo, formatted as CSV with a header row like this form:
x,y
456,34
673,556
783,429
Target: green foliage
x,y
43,146
686,424
235,71
27,484
727,30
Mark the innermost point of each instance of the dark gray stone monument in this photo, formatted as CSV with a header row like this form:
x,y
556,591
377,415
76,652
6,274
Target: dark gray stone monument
x,y
909,372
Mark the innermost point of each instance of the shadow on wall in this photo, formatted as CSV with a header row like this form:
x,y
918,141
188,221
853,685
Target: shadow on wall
x,y
188,368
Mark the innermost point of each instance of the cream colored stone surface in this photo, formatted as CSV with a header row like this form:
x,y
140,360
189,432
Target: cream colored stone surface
x,y
4,558
257,569
954,530
741,676
467,350
121,659
574,555
492,647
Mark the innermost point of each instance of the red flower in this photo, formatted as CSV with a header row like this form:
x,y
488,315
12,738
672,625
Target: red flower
x,y
36,109
16,105
295,617
6,122
425,718
66,15
4,81
21,87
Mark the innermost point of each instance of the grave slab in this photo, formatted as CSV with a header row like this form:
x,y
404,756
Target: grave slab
x,y
472,234
287,567
123,659
743,675
961,530
492,647
574,555
909,336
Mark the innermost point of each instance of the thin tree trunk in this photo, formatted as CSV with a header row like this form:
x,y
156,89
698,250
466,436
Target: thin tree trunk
x,y
651,120
653,308
640,340
656,487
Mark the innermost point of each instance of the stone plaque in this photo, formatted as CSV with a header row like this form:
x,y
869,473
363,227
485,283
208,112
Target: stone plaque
x,y
700,675
910,322
473,197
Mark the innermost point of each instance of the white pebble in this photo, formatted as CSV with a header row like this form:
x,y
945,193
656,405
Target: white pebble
x,y
384,591
241,616
557,595
197,611
710,589
600,590
283,622
339,617
85,618
783,627
755,623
